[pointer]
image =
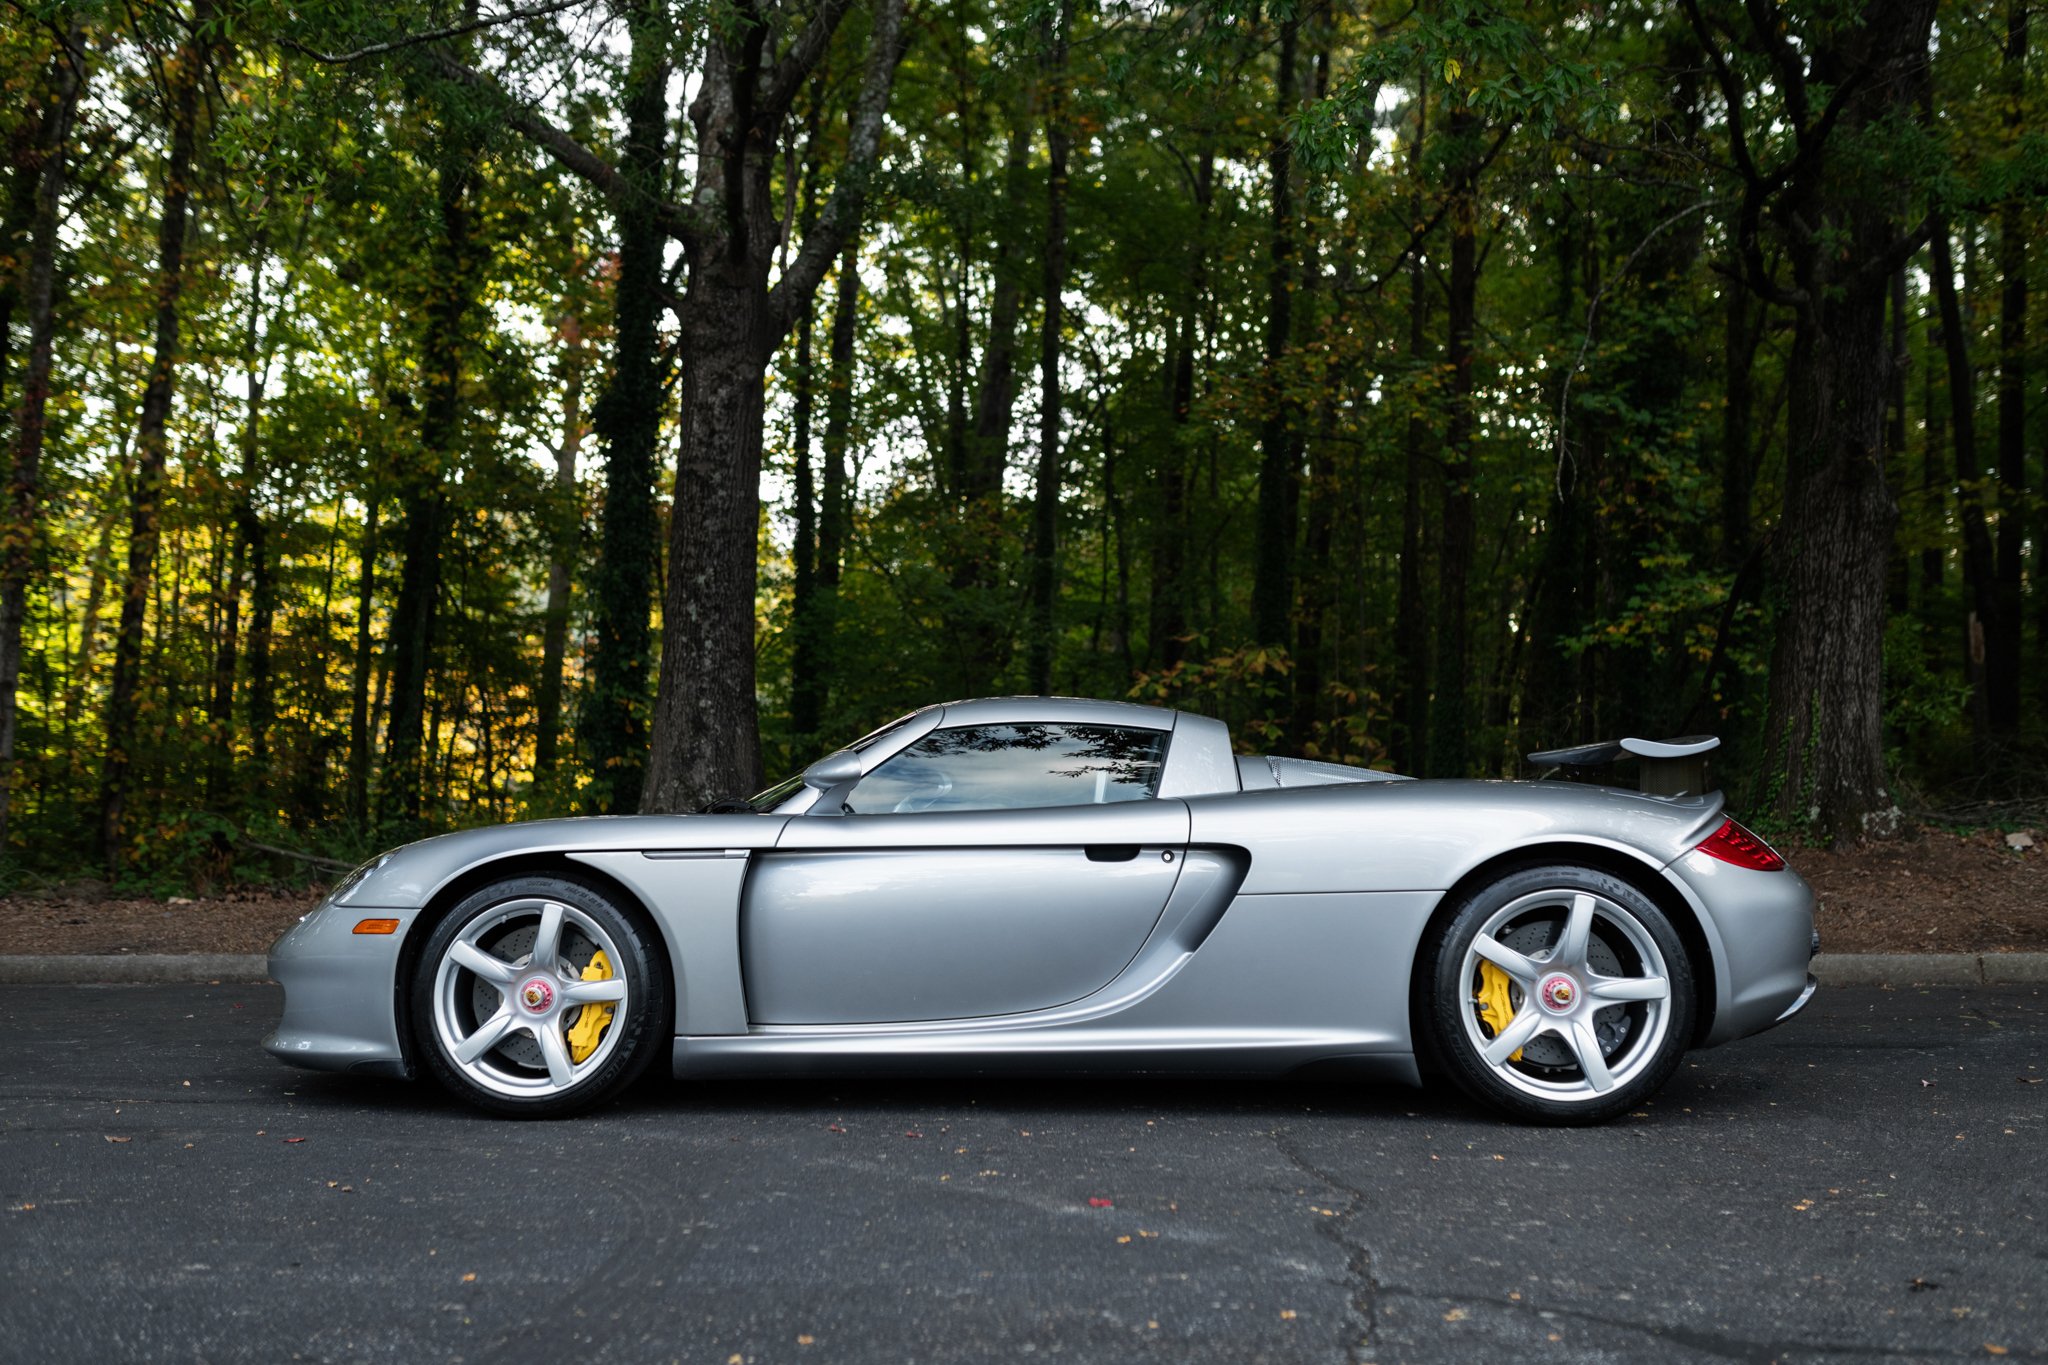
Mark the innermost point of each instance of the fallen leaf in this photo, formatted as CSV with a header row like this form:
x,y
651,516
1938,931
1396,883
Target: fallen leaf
x,y
291,1140
470,1278
25,1208
1143,1233
112,1138
834,1128
1997,1350
735,1359
1287,1315
912,1133
1455,1315
1802,1206
1097,1202
1122,1241
805,1339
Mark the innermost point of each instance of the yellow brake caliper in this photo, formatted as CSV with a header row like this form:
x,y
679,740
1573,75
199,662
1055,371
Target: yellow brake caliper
x,y
592,1020
1496,1009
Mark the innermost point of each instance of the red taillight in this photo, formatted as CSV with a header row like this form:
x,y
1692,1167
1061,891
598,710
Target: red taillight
x,y
1733,844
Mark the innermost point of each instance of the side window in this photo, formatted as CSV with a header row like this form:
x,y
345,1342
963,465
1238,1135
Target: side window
x,y
1010,767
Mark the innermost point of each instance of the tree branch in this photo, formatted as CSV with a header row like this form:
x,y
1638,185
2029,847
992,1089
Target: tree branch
x,y
1419,235
675,219
433,35
1880,268
796,65
840,219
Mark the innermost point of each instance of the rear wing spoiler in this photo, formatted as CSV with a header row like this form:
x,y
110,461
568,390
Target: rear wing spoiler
x,y
1670,767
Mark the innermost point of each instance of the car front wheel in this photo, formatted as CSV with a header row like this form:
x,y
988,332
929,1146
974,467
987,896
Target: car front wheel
x,y
1559,995
538,997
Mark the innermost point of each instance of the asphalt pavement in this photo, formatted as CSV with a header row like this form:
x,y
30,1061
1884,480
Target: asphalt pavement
x,y
1865,1183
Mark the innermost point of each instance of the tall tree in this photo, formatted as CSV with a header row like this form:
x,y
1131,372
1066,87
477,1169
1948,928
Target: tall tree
x,y
426,468
182,73
612,731
1846,83
1045,499
547,720
2005,666
47,171
1280,444
1451,713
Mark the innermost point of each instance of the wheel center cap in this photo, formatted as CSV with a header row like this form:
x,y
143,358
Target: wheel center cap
x,y
1558,993
537,995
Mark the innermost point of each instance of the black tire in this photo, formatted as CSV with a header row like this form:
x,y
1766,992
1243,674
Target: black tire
x,y
522,1074
1601,1001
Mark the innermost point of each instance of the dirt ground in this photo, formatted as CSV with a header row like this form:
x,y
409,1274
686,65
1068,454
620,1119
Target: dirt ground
x,y
1936,893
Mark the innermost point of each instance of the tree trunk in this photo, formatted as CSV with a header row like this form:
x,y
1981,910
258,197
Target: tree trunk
x,y
1045,501
25,480
29,154
1740,338
707,740
983,613
422,490
1898,573
152,443
706,736
1170,586
1279,441
262,634
1838,222
805,699
2002,643
613,729
1980,589
359,679
547,721
1450,715
1411,620
812,674
1933,479
243,531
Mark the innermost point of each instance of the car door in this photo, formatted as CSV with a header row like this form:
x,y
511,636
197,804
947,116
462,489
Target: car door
x,y
983,870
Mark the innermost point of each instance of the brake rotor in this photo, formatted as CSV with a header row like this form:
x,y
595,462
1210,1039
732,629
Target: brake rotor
x,y
1533,938
515,945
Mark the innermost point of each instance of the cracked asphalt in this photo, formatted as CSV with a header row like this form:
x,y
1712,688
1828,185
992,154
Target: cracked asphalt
x,y
1864,1183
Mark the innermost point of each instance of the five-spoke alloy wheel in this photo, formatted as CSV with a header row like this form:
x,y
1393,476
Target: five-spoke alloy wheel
x,y
537,996
1559,994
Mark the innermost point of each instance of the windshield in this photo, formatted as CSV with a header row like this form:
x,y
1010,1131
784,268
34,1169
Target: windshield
x,y
789,786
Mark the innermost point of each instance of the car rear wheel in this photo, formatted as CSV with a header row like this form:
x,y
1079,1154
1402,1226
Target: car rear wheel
x,y
1558,995
538,997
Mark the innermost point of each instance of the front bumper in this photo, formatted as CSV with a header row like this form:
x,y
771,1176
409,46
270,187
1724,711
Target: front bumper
x,y
340,993
1760,925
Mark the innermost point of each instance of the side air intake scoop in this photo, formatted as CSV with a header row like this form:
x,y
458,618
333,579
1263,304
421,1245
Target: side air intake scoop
x,y
1670,767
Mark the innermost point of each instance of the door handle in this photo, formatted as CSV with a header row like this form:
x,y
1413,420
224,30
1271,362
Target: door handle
x,y
1112,853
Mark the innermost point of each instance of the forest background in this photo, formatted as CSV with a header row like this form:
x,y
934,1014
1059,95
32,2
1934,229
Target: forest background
x,y
424,415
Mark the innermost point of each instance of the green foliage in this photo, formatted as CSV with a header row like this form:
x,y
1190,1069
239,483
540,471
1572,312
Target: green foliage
x,y
1617,584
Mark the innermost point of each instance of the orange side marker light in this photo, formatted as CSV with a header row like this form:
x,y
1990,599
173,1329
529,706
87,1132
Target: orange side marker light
x,y
377,926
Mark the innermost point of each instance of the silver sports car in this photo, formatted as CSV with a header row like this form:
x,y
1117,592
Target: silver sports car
x,y
1037,884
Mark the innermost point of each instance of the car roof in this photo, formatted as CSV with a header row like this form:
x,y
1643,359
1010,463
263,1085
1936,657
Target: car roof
x,y
1073,710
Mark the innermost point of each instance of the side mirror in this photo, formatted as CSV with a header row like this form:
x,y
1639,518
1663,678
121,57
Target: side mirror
x,y
833,770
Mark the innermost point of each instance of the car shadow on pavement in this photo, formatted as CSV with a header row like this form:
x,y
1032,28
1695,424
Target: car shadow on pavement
x,y
1717,1082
